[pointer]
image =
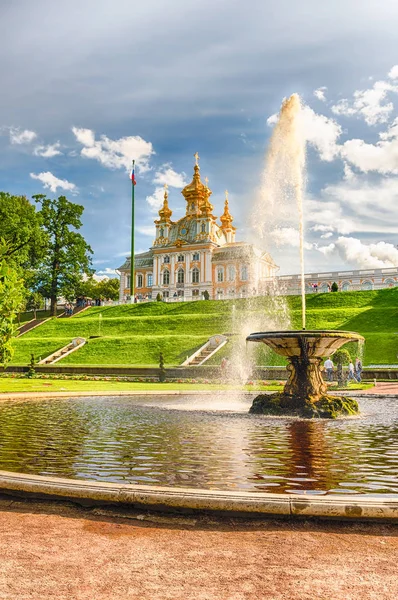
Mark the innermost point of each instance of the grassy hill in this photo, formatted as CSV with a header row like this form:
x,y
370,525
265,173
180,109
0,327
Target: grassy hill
x,y
135,334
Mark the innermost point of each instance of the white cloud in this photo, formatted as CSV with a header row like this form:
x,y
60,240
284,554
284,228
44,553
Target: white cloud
x,y
326,250
320,93
367,256
155,201
393,73
327,235
288,236
48,151
369,104
104,274
53,183
166,174
272,119
320,227
381,157
21,137
148,230
115,154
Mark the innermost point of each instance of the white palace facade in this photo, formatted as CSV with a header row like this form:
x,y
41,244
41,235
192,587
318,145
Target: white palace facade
x,y
197,254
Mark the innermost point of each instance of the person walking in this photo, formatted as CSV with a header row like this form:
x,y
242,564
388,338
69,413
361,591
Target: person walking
x,y
329,366
358,369
351,372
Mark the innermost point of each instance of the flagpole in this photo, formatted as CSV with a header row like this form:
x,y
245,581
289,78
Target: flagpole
x,y
132,238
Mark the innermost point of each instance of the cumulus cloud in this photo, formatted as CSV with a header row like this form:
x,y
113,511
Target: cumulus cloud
x,y
367,256
114,154
320,93
51,182
165,175
326,250
369,104
288,236
18,136
48,151
327,235
148,230
104,274
393,73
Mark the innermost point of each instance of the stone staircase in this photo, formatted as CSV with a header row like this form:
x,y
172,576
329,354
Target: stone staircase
x,y
213,345
31,325
74,345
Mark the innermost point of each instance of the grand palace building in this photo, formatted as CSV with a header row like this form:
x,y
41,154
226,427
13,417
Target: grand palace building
x,y
196,254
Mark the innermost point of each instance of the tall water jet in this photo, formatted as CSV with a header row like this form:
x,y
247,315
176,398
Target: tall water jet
x,y
285,172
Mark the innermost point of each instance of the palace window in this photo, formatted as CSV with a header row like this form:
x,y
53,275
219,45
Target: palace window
x,y
220,274
220,294
181,258
149,279
139,281
195,256
244,273
203,228
195,293
231,273
128,281
166,277
161,232
195,275
165,294
180,276
166,259
231,292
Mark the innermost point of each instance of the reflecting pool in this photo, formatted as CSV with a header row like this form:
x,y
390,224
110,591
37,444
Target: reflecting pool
x,y
202,442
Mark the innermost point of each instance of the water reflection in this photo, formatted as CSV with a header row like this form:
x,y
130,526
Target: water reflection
x,y
125,440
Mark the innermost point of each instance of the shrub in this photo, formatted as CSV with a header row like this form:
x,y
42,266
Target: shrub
x,y
335,287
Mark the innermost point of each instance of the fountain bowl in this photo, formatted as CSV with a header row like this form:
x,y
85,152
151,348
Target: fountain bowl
x,y
305,393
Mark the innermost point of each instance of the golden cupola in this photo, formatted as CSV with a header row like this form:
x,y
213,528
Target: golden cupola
x,y
195,192
165,212
206,207
226,218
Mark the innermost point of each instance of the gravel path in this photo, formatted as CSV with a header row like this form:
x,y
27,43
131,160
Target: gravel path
x,y
62,552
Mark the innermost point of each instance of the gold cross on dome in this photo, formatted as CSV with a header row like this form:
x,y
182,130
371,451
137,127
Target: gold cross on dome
x,y
226,194
196,156
166,187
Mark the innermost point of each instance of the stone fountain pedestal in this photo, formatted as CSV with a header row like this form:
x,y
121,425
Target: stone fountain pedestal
x,y
305,393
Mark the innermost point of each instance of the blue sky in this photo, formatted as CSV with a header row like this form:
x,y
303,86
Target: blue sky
x,y
88,85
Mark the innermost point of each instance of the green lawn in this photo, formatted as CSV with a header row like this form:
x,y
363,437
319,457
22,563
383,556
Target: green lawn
x,y
135,334
10,385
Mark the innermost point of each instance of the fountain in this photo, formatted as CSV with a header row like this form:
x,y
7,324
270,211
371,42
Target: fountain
x,y
305,393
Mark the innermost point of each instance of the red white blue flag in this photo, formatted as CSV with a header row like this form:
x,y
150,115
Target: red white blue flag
x,y
132,176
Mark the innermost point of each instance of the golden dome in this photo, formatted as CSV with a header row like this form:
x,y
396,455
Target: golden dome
x,y
165,212
226,218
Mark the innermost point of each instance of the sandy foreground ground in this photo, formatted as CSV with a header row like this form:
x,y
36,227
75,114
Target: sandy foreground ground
x,y
63,552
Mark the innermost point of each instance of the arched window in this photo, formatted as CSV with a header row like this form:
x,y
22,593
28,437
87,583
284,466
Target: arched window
x,y
161,232
149,279
139,281
244,273
193,206
166,259
203,228
324,287
220,274
231,273
166,277
180,276
195,256
367,285
345,286
389,282
195,275
181,258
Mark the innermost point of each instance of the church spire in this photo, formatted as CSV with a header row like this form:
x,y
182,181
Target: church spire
x,y
195,192
165,212
226,221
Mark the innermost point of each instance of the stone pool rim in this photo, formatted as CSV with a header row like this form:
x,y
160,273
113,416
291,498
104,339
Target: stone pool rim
x,y
358,507
191,501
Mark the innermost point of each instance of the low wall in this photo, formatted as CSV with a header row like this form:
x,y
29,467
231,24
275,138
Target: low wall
x,y
203,372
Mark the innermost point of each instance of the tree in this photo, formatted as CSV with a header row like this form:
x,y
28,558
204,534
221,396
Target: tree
x,y
158,297
206,295
11,296
68,254
108,288
24,240
34,302
335,287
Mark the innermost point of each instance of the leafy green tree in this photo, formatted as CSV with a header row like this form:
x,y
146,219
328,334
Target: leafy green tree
x,y
35,302
20,228
206,295
11,297
335,287
108,288
68,254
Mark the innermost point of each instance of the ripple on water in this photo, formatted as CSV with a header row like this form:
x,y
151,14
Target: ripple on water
x,y
136,440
